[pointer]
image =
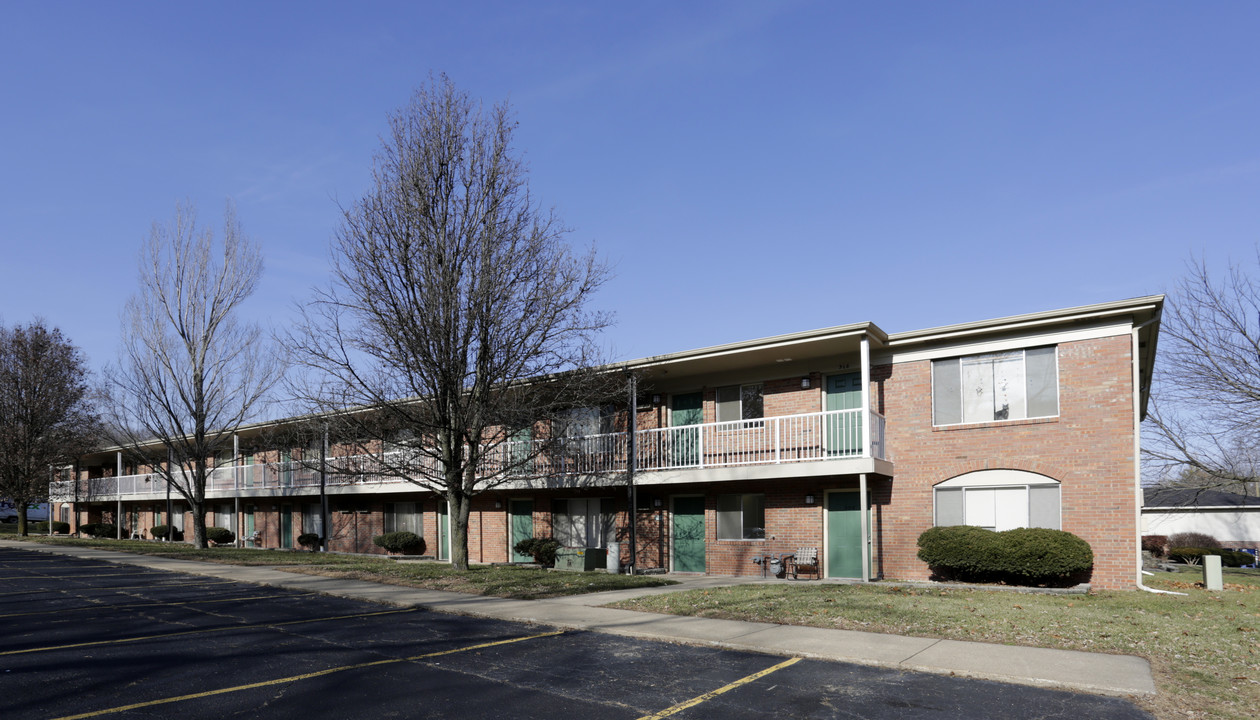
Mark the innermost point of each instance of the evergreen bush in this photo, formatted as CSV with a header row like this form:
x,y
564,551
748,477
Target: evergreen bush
x,y
310,541
159,532
220,536
401,541
1023,556
58,527
543,550
99,530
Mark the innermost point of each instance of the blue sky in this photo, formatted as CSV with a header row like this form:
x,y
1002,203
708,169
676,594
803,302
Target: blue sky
x,y
749,168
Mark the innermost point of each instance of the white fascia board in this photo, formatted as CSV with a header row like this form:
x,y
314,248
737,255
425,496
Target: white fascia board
x,y
1026,339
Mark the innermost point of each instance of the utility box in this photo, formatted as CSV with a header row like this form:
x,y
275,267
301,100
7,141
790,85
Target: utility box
x,y
1212,572
580,559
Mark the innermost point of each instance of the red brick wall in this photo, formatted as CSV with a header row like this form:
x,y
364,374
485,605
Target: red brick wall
x,y
1088,449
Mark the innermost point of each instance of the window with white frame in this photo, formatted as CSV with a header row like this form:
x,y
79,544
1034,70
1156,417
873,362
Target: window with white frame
x,y
584,522
402,516
224,517
1011,385
587,421
741,517
740,402
998,500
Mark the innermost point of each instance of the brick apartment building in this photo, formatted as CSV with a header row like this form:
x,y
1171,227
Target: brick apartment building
x,y
846,439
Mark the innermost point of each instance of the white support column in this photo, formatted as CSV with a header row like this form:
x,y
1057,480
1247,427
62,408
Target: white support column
x,y
237,522
865,421
866,530
118,517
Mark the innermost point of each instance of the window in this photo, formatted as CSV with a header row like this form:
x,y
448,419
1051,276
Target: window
x,y
998,500
402,516
740,402
313,519
995,386
224,517
586,421
741,517
584,522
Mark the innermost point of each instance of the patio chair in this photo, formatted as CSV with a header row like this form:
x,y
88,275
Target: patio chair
x,y
805,560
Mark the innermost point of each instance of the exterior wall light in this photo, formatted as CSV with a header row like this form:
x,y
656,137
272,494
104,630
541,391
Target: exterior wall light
x,y
656,399
804,383
809,499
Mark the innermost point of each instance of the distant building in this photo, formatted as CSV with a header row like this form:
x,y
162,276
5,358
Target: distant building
x,y
1231,518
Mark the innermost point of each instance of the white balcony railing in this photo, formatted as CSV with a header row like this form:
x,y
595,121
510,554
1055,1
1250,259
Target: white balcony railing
x,y
835,434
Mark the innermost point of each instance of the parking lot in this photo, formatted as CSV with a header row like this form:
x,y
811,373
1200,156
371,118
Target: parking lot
x,y
84,638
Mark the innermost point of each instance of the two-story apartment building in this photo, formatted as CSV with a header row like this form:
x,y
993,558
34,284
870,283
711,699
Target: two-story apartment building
x,y
846,439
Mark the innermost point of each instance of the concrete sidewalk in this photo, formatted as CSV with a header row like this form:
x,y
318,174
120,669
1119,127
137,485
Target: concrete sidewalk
x,y
1089,672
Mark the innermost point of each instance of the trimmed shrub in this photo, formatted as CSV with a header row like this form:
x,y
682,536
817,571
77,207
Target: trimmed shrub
x,y
960,551
1157,545
1193,540
58,527
543,550
219,536
1194,556
1023,556
1041,553
159,532
401,541
310,541
99,530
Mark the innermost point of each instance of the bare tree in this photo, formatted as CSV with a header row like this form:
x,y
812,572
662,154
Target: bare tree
x,y
190,372
1204,427
457,322
46,413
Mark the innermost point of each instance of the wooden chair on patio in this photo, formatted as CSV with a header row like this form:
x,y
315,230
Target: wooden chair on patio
x,y
805,560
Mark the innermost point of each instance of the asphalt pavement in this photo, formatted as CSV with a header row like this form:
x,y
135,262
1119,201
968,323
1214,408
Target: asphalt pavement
x,y
1118,675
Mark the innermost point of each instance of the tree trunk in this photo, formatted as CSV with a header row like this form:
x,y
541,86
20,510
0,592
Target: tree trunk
x,y
21,517
460,505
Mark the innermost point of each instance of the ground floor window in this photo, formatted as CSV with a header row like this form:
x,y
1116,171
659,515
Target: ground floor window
x,y
741,517
403,517
999,500
313,519
224,517
584,522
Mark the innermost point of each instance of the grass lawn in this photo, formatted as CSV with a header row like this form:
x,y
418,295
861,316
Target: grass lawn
x,y
1204,649
498,581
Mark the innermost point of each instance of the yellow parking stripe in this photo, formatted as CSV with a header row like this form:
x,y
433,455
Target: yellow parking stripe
x,y
129,606
725,688
295,678
119,641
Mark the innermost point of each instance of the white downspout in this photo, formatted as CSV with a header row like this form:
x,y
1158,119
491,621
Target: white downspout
x,y
1137,455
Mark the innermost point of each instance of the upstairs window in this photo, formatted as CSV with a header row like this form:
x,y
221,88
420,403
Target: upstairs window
x,y
740,402
995,386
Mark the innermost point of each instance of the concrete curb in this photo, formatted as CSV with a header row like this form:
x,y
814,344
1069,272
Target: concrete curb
x,y
1119,675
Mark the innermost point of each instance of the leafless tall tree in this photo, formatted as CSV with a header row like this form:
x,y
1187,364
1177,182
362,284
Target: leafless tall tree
x,y
1204,425
190,372
46,413
454,294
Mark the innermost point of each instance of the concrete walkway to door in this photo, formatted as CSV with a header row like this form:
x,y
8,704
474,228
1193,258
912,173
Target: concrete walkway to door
x,y
1089,672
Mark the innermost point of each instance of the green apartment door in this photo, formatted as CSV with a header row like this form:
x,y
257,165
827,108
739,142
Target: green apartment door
x,y
286,526
844,431
688,534
522,512
686,410
444,531
844,535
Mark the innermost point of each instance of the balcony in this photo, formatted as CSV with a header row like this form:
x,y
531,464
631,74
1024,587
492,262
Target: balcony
x,y
809,437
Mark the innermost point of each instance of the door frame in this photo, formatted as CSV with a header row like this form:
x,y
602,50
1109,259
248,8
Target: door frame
x,y
826,527
863,421
704,514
